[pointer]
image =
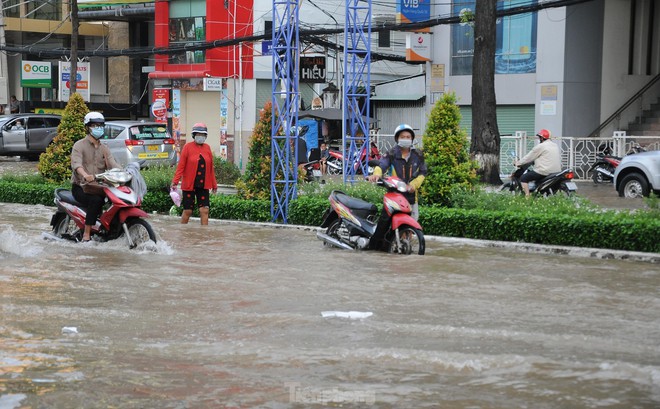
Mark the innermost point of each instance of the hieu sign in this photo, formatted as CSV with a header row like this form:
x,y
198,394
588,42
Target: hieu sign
x,y
36,74
312,69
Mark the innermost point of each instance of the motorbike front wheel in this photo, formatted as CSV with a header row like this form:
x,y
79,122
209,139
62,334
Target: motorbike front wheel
x,y
411,239
140,231
334,166
63,226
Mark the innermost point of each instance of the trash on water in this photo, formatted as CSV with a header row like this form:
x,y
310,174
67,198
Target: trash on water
x,y
69,330
353,315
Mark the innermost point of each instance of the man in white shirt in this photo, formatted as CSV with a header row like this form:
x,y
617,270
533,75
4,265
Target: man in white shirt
x,y
546,158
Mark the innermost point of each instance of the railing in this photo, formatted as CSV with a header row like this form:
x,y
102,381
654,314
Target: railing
x,y
623,113
578,153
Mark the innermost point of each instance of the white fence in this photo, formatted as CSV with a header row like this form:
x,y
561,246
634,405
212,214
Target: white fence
x,y
578,153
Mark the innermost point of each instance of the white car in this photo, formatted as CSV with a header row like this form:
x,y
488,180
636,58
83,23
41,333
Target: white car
x,y
638,175
139,141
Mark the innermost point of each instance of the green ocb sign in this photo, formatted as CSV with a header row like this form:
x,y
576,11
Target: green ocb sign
x,y
36,74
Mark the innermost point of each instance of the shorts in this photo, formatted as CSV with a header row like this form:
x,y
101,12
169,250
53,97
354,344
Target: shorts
x,y
188,201
530,175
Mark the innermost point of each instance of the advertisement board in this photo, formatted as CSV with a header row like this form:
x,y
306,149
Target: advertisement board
x,y
418,47
160,98
312,69
413,11
82,80
36,74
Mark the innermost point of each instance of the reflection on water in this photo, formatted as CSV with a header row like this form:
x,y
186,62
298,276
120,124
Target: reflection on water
x,y
230,316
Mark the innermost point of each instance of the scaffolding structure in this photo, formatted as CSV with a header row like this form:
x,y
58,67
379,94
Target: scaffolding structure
x,y
285,99
357,89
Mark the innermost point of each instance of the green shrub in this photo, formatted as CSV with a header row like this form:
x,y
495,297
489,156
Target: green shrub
x,y
55,163
366,191
446,153
255,184
226,173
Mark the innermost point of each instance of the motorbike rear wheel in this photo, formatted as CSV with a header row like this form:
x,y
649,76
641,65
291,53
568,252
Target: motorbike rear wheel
x,y
140,231
598,177
334,166
332,231
64,226
412,241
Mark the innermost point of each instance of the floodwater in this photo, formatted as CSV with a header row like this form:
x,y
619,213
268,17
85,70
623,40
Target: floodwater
x,y
230,316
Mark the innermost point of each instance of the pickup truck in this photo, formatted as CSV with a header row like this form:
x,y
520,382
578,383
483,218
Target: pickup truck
x,y
27,135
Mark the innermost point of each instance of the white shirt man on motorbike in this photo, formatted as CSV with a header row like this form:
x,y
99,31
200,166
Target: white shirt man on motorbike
x,y
546,158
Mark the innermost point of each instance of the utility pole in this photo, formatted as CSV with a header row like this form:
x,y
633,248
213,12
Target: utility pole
x,y
73,76
4,72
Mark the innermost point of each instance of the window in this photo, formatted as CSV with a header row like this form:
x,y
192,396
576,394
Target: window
x,y
43,10
12,8
515,48
384,39
187,28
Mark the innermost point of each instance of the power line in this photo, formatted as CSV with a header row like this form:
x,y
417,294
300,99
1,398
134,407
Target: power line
x,y
311,35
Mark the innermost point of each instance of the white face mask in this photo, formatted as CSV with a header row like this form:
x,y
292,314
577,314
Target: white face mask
x,y
405,143
200,139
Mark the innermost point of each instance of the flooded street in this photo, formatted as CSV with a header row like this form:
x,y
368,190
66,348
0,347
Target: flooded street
x,y
230,316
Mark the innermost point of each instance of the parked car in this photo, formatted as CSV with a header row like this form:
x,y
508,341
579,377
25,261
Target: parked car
x,y
133,141
27,135
638,175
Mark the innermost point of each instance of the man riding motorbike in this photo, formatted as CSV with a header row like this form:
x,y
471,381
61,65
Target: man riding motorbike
x,y
88,158
546,158
406,163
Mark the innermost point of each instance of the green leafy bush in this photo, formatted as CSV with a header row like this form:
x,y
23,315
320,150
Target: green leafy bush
x,y
226,173
446,153
55,163
255,184
366,191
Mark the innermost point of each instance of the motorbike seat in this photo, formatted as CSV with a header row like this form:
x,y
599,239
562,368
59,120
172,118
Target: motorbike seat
x,y
356,204
66,196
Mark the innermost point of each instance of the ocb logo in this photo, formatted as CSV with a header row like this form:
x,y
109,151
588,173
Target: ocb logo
x,y
36,68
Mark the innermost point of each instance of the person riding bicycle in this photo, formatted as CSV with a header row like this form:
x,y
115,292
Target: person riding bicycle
x,y
404,162
546,158
88,158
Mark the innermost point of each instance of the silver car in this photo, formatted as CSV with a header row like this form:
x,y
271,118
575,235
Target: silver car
x,y
638,175
27,135
134,141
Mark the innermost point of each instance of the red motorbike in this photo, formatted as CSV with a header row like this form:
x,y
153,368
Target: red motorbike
x,y
122,217
354,224
605,165
335,161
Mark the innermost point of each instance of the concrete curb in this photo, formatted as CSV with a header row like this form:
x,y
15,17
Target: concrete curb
x,y
587,252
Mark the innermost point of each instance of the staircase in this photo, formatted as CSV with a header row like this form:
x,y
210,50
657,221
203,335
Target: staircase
x,y
648,124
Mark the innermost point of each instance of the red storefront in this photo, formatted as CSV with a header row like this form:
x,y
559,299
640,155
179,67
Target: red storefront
x,y
187,23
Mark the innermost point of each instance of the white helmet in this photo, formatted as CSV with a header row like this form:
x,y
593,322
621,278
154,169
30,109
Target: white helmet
x,y
94,118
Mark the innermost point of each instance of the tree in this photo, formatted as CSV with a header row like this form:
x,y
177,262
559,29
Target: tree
x,y
446,153
255,184
55,164
485,146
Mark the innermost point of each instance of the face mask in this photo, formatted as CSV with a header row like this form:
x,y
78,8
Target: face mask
x,y
199,139
405,143
97,132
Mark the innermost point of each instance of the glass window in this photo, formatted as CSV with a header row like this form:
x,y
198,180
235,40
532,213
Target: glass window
x,y
12,8
142,132
515,48
52,122
35,122
187,28
44,10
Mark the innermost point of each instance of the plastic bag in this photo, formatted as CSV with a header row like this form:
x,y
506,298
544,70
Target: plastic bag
x,y
176,196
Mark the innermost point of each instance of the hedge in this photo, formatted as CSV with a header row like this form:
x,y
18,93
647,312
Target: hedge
x,y
592,230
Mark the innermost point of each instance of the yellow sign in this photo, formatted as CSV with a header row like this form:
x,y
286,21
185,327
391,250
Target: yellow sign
x,y
159,155
56,111
437,70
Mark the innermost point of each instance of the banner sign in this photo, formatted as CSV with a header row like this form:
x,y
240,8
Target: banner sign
x,y
160,101
36,74
312,69
418,47
83,4
413,11
82,80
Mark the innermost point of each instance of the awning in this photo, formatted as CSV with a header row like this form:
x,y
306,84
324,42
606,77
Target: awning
x,y
400,97
179,74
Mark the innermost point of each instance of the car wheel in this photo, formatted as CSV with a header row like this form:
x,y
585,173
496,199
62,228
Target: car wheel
x,y
634,185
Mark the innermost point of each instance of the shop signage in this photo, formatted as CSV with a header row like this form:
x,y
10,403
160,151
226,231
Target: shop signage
x,y
312,69
36,74
82,80
213,84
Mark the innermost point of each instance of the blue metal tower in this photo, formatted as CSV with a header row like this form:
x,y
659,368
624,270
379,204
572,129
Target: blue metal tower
x,y
357,80
285,98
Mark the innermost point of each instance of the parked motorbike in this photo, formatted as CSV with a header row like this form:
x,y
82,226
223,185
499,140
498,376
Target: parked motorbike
x,y
354,224
602,171
312,171
560,182
122,217
335,161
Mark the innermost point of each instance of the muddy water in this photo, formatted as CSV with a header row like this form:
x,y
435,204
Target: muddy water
x,y
230,316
